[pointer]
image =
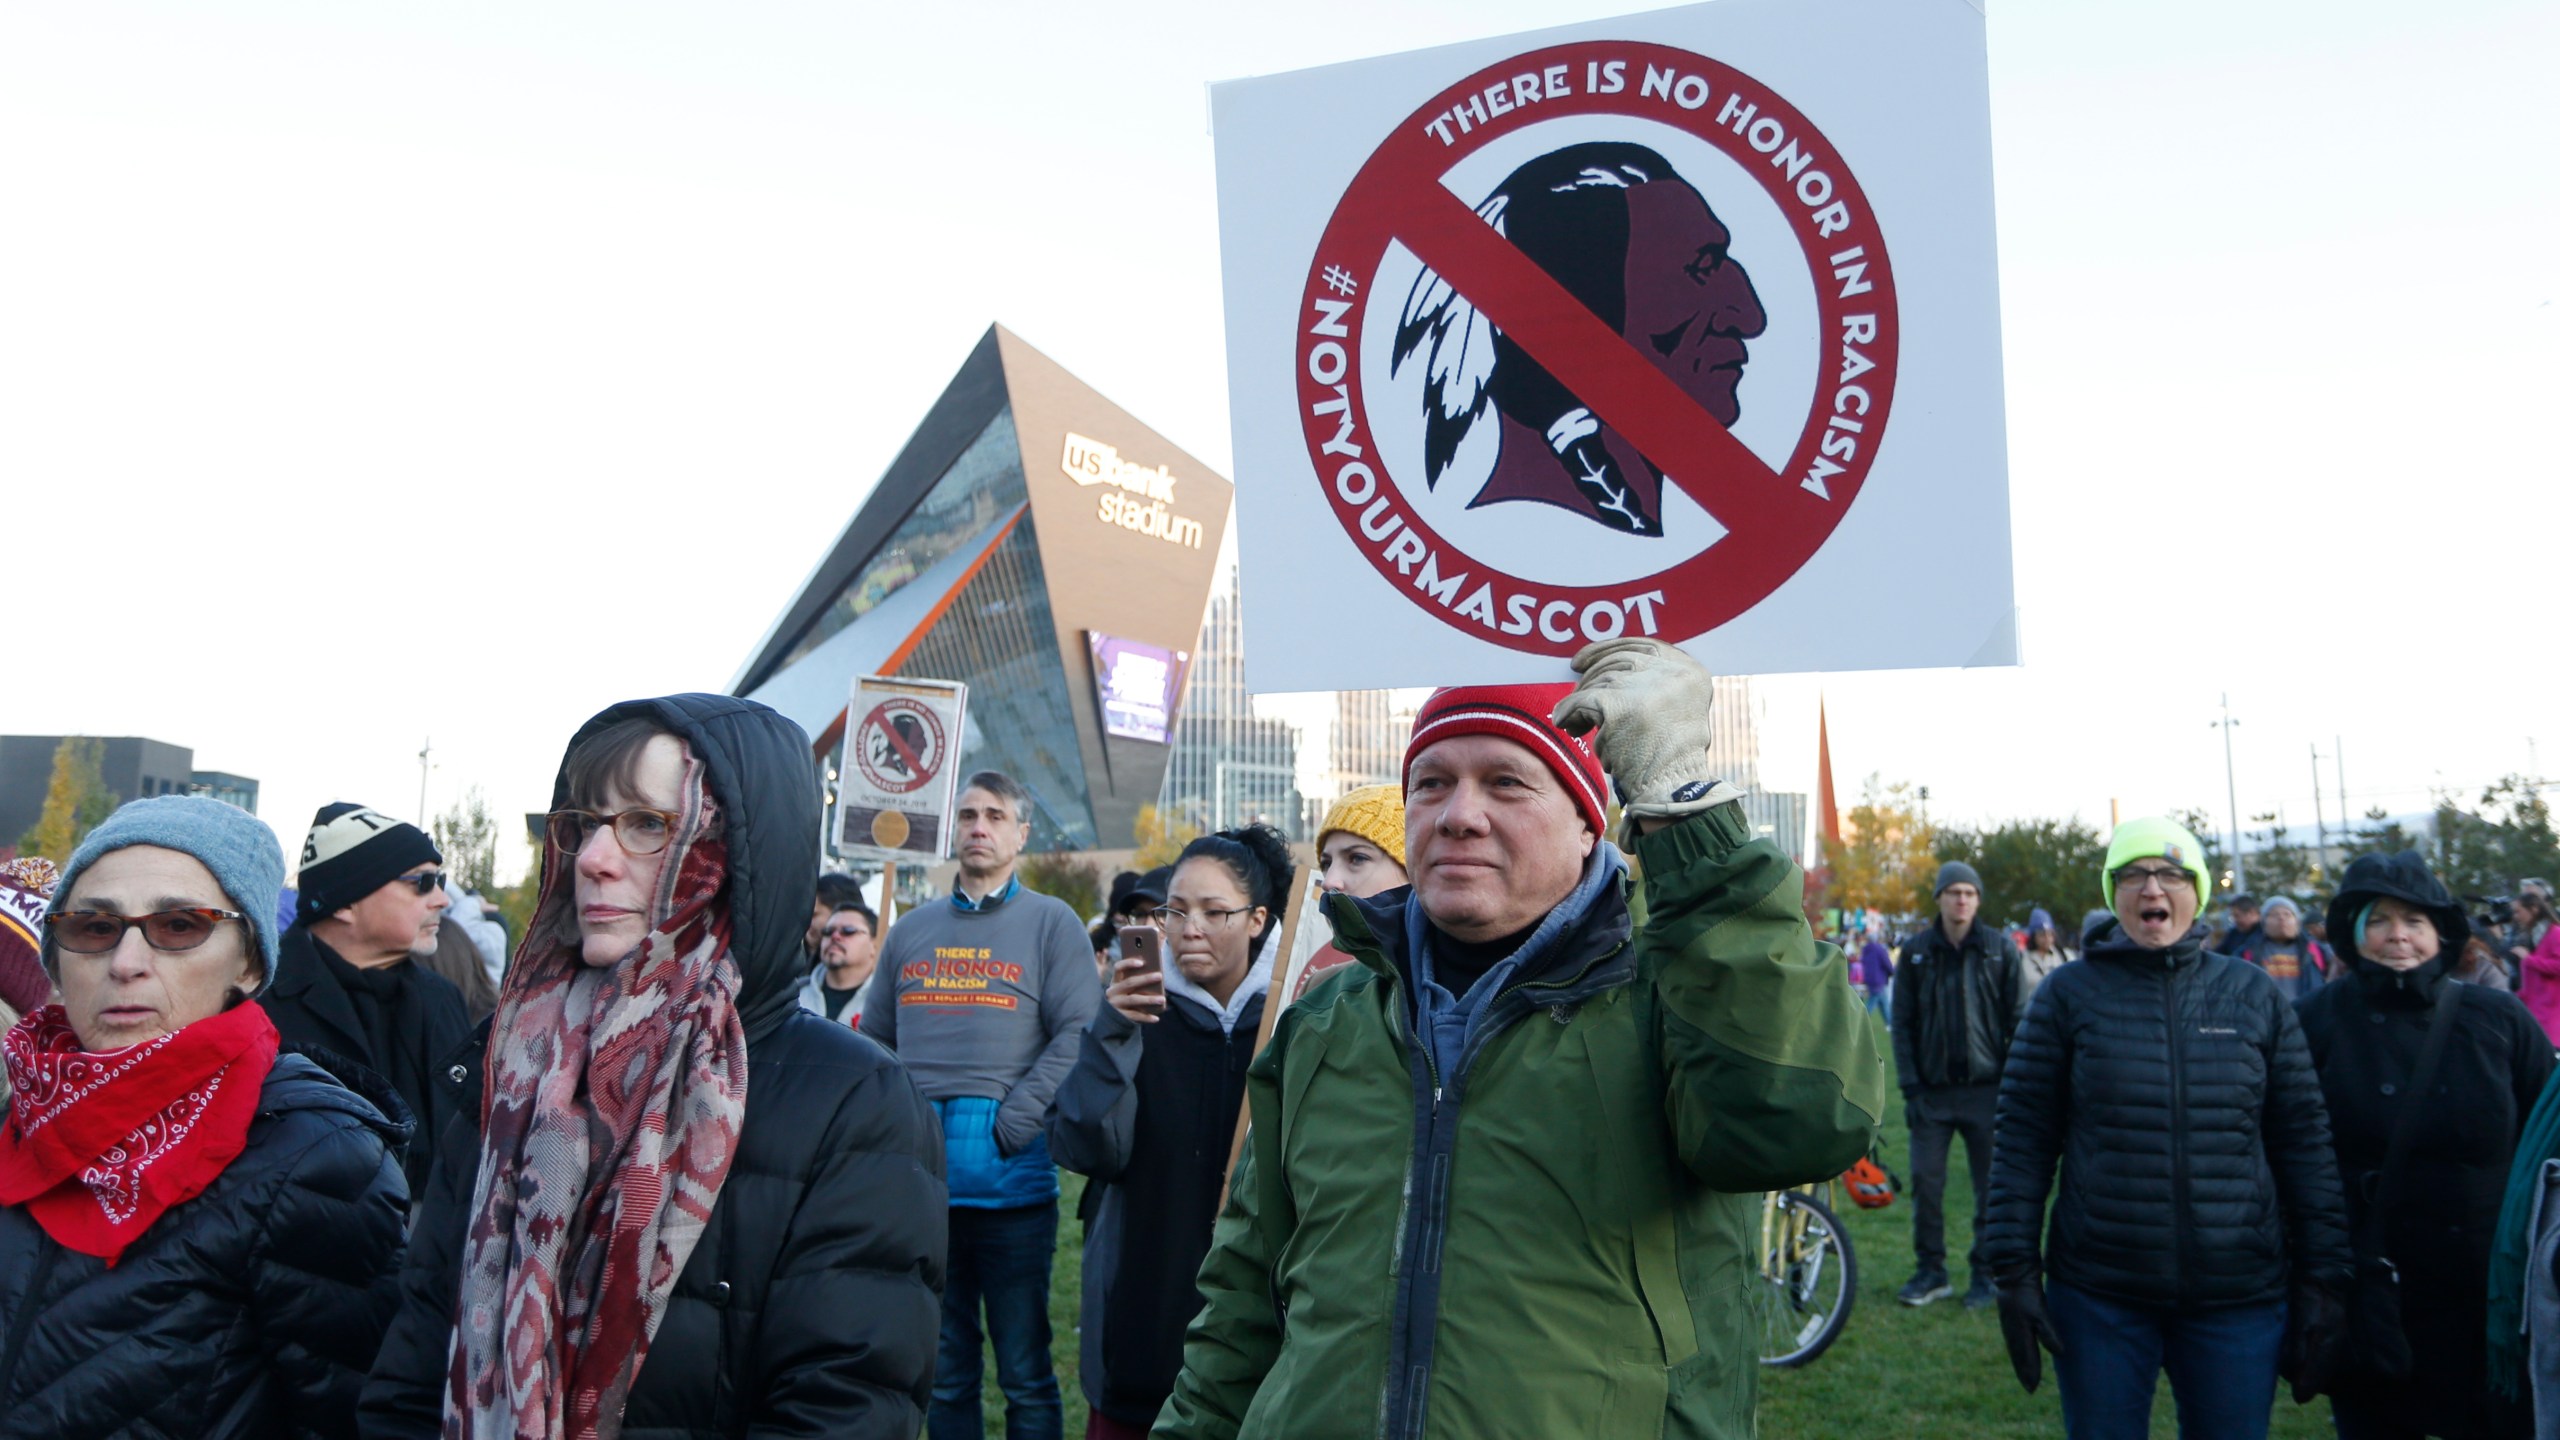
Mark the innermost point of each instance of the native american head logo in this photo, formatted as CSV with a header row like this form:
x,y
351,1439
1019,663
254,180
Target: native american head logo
x,y
1622,232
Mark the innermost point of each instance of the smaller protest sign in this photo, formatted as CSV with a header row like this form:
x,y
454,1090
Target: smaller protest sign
x,y
894,785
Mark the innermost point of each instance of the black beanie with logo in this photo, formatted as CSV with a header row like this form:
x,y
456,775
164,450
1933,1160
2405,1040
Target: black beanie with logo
x,y
352,852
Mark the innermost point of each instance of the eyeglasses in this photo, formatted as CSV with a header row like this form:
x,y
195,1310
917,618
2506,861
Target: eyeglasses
x,y
95,932
2171,878
422,882
1171,918
840,932
638,832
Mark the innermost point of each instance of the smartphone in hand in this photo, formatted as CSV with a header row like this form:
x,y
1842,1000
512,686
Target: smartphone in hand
x,y
1144,944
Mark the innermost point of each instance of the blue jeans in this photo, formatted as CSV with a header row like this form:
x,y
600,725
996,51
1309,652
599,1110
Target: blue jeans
x,y
1000,1257
2221,1364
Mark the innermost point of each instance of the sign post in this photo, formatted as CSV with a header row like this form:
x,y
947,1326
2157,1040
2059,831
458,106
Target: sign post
x,y
895,782
1273,999
1682,325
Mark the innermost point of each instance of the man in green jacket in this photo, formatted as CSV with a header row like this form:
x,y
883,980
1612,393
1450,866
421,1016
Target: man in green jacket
x,y
1505,1171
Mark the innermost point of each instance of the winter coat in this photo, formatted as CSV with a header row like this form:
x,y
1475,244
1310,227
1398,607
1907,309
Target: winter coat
x,y
250,1311
812,1302
2299,966
2365,1035
1956,1007
1875,967
1148,1114
2538,983
2174,1090
2034,965
312,1010
1550,1238
813,998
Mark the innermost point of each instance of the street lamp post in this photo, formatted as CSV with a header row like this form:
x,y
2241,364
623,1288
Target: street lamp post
x,y
2231,793
2319,821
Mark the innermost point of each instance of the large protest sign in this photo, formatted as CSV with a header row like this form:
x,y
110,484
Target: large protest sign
x,y
894,783
1682,325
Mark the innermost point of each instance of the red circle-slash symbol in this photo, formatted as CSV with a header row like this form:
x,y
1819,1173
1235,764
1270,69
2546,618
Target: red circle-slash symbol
x,y
1774,519
899,746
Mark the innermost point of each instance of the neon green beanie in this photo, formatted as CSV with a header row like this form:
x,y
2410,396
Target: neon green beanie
x,y
2154,837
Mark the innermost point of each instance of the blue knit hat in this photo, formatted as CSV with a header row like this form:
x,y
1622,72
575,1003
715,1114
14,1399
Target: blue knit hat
x,y
232,843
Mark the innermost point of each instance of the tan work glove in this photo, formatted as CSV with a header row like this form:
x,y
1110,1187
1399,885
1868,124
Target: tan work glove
x,y
1649,702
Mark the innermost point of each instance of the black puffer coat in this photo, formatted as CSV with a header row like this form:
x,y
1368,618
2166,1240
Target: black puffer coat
x,y
250,1311
2365,1036
811,1305
2174,1090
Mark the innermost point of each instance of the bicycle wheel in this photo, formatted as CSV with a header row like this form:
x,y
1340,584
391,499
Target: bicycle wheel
x,y
1808,1281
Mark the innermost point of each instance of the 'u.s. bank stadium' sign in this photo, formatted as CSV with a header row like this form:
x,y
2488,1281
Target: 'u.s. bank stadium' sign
x,y
1141,498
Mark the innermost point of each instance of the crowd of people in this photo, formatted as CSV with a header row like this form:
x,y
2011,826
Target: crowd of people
x,y
2246,1155
718,1147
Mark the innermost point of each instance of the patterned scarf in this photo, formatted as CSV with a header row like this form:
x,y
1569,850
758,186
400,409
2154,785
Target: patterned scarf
x,y
614,1097
100,1145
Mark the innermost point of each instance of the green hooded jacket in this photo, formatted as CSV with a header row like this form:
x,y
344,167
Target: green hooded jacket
x,y
1557,1238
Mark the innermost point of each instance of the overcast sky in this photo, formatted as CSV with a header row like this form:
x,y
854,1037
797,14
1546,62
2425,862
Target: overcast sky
x,y
377,372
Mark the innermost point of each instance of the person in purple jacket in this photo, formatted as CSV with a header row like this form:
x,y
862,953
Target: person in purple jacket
x,y
1875,969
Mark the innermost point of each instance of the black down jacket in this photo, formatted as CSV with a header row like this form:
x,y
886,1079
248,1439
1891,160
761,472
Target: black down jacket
x,y
811,1305
2365,1036
2174,1090
250,1311
1149,1113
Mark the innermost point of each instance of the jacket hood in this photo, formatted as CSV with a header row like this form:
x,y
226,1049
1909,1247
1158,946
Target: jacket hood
x,y
2403,877
2106,940
765,780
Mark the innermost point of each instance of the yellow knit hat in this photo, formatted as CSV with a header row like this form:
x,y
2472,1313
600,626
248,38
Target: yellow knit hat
x,y
1375,813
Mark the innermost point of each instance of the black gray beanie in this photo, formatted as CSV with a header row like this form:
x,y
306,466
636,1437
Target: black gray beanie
x,y
1956,872
352,852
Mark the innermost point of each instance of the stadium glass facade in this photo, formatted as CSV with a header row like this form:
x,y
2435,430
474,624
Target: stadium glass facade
x,y
1026,520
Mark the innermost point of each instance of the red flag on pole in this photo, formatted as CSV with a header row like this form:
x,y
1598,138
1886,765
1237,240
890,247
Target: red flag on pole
x,y
1826,799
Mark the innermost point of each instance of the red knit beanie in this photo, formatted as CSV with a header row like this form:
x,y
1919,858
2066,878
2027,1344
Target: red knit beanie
x,y
1517,713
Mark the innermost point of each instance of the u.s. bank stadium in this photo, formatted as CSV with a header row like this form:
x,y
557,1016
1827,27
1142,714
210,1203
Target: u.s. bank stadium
x,y
1070,565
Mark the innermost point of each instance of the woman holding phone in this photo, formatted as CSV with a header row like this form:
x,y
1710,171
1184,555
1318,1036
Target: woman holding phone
x,y
1150,1112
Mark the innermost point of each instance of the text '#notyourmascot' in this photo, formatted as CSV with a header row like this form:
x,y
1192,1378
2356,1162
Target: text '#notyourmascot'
x,y
1506,1166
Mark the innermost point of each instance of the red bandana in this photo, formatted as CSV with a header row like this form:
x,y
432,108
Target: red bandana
x,y
98,1145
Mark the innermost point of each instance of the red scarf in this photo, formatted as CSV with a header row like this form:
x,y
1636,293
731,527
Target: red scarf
x,y
99,1145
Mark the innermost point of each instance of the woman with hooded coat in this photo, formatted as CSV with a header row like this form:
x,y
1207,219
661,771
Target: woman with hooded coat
x,y
2432,1217
673,1203
1149,1113
199,1235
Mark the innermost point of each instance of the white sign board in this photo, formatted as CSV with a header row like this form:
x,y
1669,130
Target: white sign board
x,y
1685,324
894,783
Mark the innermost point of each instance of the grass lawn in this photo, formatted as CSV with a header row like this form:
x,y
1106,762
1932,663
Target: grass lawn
x,y
1937,1373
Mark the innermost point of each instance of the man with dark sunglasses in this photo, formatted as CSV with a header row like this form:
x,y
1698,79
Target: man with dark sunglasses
x,y
371,901
848,955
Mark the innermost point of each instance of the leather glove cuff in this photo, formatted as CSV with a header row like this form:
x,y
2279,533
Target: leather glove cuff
x,y
1671,798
